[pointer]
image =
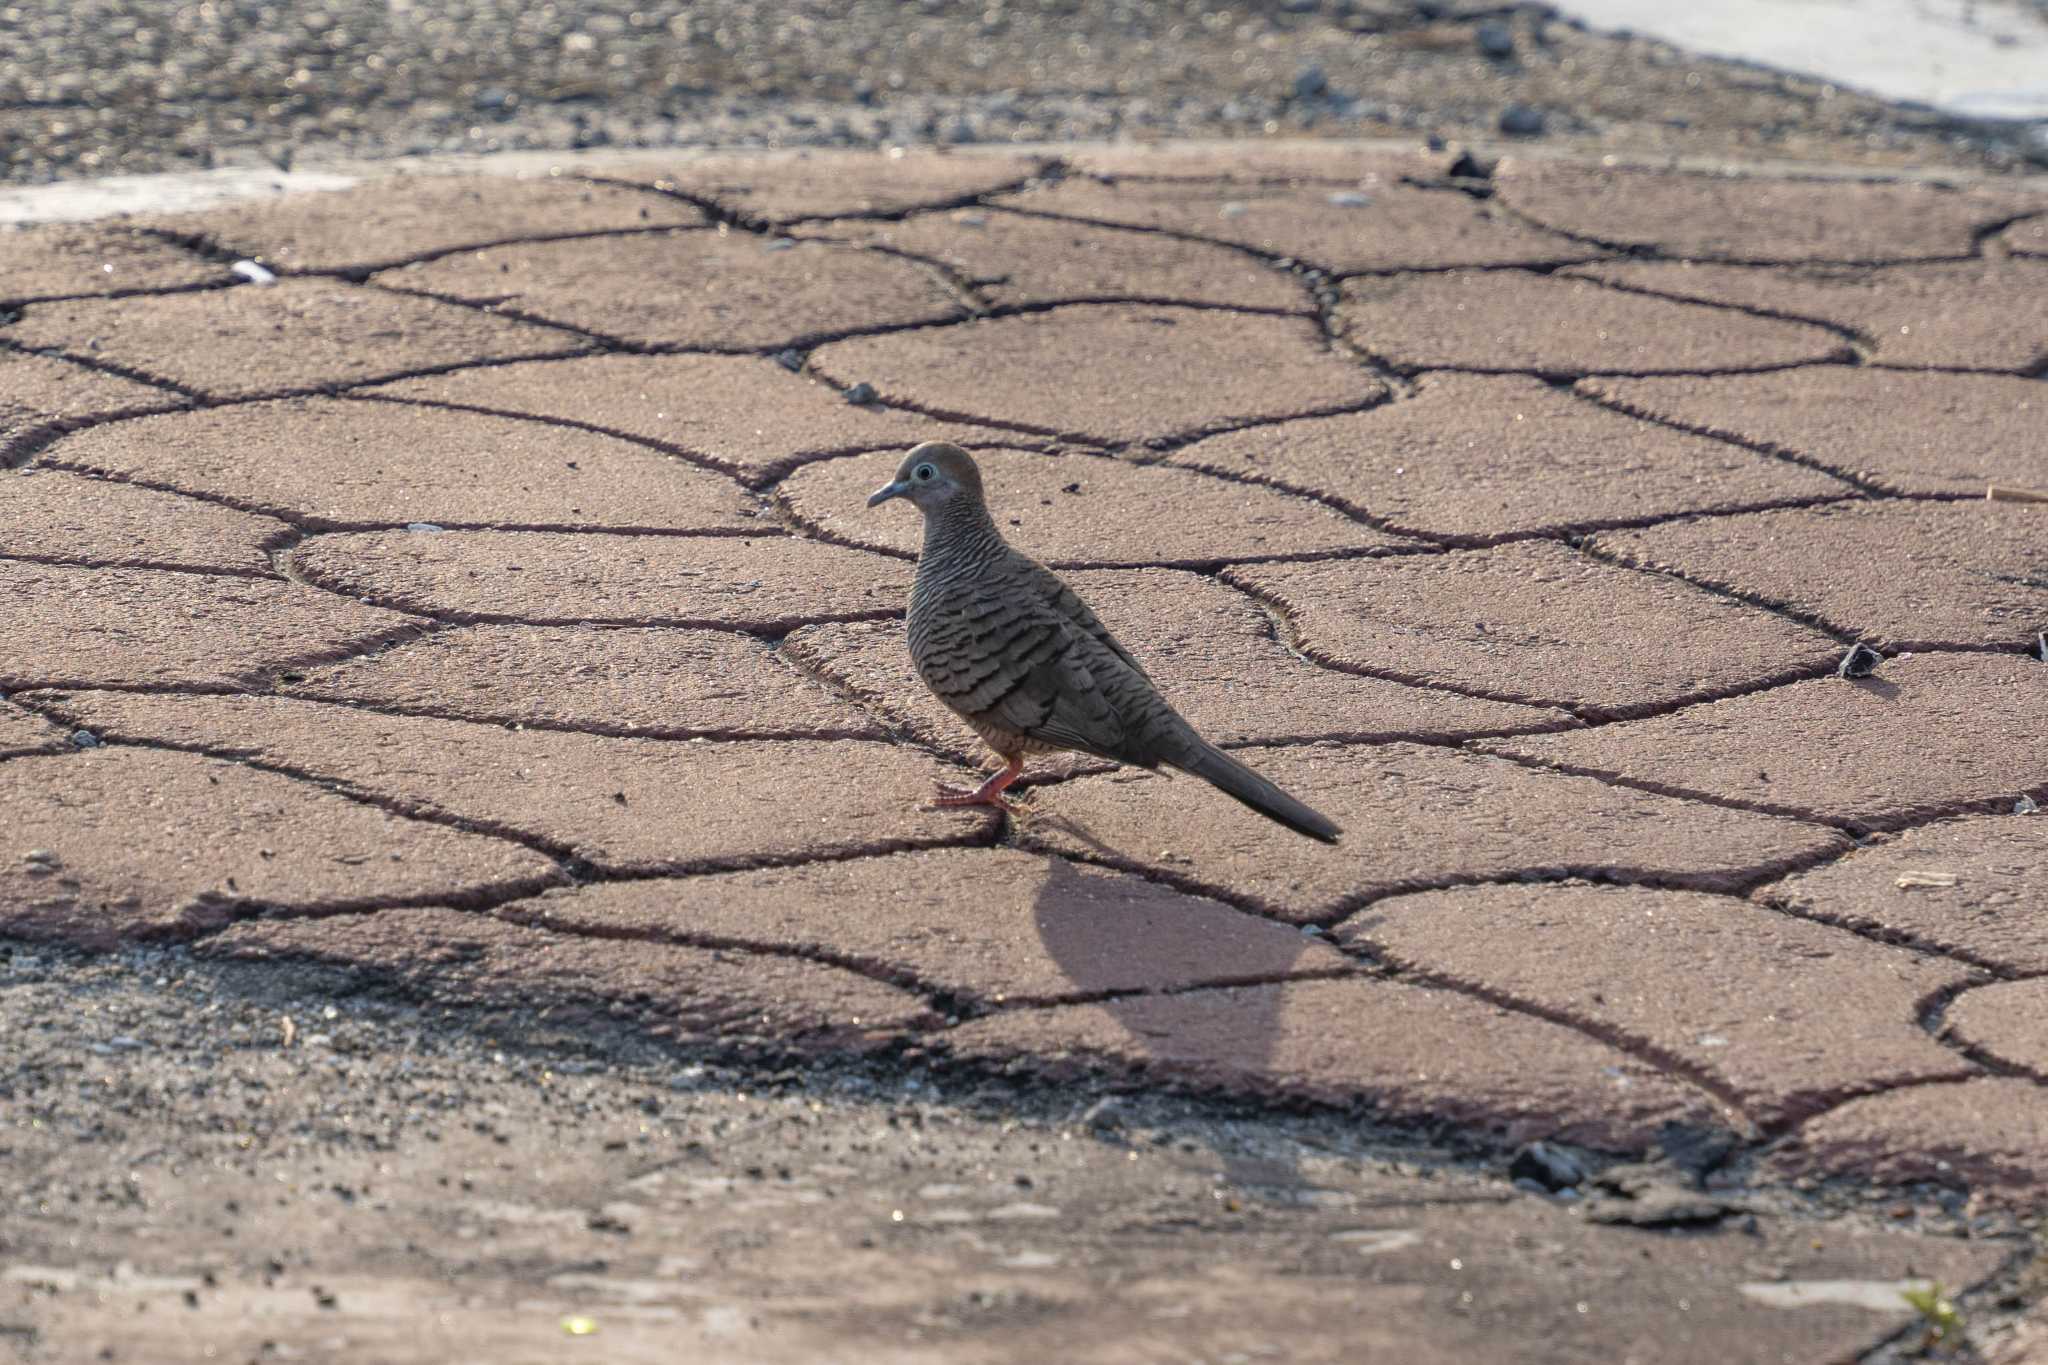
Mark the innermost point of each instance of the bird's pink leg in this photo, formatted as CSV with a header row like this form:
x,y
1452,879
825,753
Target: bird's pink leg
x,y
989,793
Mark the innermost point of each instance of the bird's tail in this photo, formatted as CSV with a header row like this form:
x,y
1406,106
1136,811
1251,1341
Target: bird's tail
x,y
1204,760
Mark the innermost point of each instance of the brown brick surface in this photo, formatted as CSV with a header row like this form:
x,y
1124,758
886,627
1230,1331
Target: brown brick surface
x,y
1414,817
1971,314
1395,227
1402,1051
68,518
623,805
768,582
1904,575
391,219
330,462
136,843
1121,372
1990,1134
743,414
656,682
1554,325
1970,887
695,290
680,995
2006,1021
1905,432
988,926
72,626
1471,457
58,260
295,336
1535,622
1927,734
1015,258
23,732
824,184
36,390
1073,509
1754,217
1743,999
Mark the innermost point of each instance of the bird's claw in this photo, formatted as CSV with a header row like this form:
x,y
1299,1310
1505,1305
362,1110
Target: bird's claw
x,y
954,798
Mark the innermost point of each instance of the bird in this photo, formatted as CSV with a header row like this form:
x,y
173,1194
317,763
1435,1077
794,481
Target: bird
x,y
1014,652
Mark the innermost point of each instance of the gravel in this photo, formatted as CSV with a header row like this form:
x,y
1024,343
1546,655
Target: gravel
x,y
92,87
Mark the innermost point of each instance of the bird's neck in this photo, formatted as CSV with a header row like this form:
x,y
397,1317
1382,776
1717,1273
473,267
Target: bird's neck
x,y
961,529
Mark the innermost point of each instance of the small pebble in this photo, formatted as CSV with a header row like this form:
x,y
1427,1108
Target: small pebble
x,y
252,272
1310,82
1860,662
1350,199
1520,120
424,527
1496,40
85,739
862,392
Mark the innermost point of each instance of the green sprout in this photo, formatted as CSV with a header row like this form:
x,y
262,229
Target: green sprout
x,y
1941,1323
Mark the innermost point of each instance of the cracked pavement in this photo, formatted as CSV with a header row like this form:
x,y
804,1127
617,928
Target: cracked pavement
x,y
485,614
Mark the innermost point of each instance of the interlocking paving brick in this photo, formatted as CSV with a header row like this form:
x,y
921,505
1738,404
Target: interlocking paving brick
x,y
1069,509
680,995
832,184
1971,887
67,625
988,926
54,516
1552,325
294,336
1982,314
1414,817
623,805
657,682
2029,237
1210,650
1247,162
1533,621
2006,1021
1883,750
743,414
1471,457
1122,372
22,732
1013,258
125,844
1910,433
330,463
1990,1135
1396,227
767,582
390,219
1905,575
53,260
695,289
1405,1051
1753,217
38,390
1748,1000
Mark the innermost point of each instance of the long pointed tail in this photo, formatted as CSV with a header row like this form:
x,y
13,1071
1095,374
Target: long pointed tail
x,y
1233,779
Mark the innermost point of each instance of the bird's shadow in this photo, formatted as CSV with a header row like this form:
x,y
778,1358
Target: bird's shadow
x,y
1114,938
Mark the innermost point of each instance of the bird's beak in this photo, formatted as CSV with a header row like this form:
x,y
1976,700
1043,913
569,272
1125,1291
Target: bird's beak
x,y
887,491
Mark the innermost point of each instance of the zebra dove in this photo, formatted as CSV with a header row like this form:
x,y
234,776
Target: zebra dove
x,y
1010,648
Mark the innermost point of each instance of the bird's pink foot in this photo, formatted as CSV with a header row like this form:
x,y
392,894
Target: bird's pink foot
x,y
989,793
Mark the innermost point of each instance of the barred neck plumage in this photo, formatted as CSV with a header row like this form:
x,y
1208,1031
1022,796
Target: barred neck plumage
x,y
960,534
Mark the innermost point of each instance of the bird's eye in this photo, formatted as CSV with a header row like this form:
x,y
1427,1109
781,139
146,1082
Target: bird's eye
x,y
924,473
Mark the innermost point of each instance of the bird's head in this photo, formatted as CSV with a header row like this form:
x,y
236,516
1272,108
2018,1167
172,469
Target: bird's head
x,y
934,476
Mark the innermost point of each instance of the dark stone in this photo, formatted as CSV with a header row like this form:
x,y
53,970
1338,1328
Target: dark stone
x,y
1521,120
1496,40
1549,1166
1860,662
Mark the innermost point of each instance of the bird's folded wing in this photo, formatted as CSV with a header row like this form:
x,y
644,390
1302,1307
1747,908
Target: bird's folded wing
x,y
1027,669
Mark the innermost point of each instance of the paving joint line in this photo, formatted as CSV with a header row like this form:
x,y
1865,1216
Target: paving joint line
x,y
1769,449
